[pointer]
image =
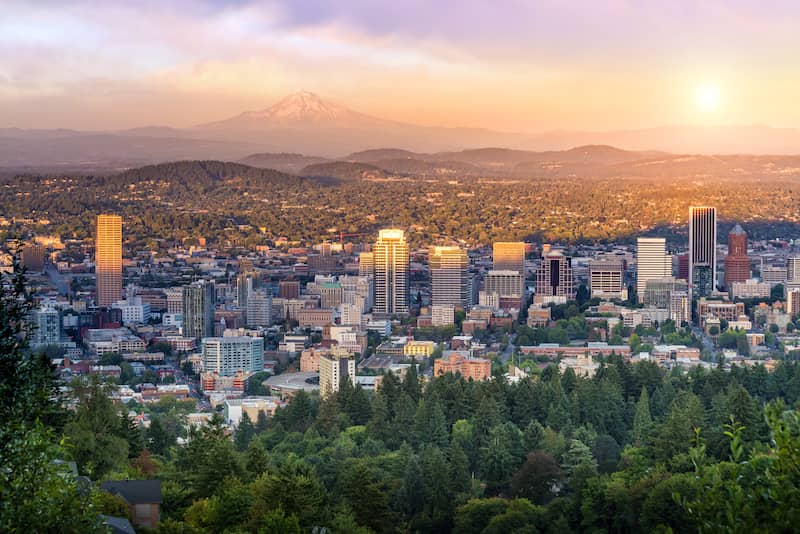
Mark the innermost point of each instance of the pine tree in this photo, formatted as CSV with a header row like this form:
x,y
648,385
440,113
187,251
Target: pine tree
x,y
642,422
358,406
244,432
411,384
378,427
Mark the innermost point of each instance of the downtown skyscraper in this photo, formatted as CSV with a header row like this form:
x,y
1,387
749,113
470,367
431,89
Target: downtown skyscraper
x,y
199,300
737,263
652,262
449,282
702,250
108,259
391,267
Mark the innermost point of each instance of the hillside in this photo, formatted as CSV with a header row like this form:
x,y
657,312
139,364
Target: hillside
x,y
344,170
284,161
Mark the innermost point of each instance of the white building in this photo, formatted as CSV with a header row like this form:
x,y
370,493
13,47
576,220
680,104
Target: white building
x,y
134,311
652,262
47,327
227,355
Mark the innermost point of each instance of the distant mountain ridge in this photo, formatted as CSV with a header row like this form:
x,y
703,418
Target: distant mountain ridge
x,y
308,124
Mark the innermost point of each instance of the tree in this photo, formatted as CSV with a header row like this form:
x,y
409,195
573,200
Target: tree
x,y
95,431
642,421
537,478
244,432
37,491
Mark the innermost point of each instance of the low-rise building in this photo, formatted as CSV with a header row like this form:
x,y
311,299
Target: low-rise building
x,y
457,362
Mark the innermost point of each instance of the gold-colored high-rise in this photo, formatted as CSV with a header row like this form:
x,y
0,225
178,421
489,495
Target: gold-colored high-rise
x,y
108,259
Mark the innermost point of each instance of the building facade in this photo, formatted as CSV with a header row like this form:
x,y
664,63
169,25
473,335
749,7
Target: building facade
x,y
449,277
108,259
554,278
702,250
652,262
227,355
737,263
391,267
334,366
199,301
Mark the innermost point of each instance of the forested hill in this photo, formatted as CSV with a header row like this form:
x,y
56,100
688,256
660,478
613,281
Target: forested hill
x,y
201,174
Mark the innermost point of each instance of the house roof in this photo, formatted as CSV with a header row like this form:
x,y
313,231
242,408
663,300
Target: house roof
x,y
135,491
118,525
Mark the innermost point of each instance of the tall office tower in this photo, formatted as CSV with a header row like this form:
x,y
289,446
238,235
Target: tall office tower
x,y
793,302
390,255
737,263
366,264
227,355
333,368
199,300
108,259
554,279
449,283
509,256
606,279
702,250
793,272
259,308
289,289
652,262
246,283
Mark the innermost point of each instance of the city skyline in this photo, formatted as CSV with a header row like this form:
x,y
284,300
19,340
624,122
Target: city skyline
x,y
513,67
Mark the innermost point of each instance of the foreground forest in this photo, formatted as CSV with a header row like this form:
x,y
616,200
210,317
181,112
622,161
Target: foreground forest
x,y
233,204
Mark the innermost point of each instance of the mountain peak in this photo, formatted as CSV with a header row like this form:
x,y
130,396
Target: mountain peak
x,y
303,107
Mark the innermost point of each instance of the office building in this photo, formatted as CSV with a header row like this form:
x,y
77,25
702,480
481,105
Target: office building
x,y
449,282
554,278
199,300
793,272
509,256
108,259
259,308
606,279
658,291
774,275
366,264
793,302
737,263
680,307
46,327
33,258
289,289
226,356
334,367
391,267
652,262
506,286
750,289
702,250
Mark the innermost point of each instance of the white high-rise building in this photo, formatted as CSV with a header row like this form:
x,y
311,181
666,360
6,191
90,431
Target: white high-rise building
x,y
449,284
391,258
259,308
333,368
47,323
227,355
652,262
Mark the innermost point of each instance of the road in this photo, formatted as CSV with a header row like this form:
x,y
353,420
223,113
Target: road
x,y
506,354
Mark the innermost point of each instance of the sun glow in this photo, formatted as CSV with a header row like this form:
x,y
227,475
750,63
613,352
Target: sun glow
x,y
707,97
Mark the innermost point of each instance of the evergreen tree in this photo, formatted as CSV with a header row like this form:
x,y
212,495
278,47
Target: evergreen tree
x,y
642,422
411,384
358,406
244,432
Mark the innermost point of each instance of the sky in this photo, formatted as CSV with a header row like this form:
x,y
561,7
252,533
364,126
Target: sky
x,y
511,65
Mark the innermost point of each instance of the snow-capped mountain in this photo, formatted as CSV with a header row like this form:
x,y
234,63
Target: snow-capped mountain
x,y
301,109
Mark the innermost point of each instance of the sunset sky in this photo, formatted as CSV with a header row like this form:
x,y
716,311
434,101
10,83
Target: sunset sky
x,y
520,65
